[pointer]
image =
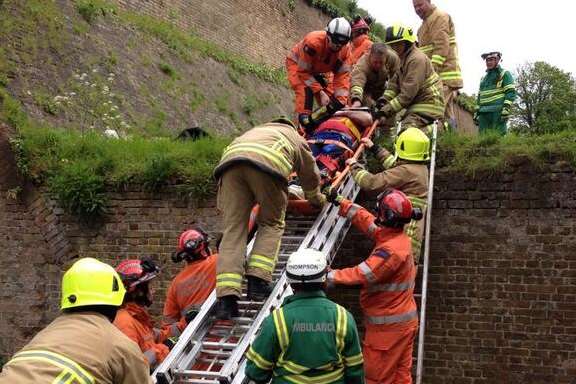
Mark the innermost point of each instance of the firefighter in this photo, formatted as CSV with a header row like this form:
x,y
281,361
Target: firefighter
x,y
387,279
133,318
370,76
283,350
361,42
313,62
495,97
415,87
437,39
405,170
191,286
81,345
254,169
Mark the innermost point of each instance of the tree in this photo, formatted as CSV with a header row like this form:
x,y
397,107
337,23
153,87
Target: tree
x,y
546,99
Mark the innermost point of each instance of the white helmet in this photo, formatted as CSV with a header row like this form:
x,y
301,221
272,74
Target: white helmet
x,y
339,30
306,266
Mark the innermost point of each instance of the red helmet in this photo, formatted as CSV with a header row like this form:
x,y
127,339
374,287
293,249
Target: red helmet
x,y
134,272
395,209
360,24
192,244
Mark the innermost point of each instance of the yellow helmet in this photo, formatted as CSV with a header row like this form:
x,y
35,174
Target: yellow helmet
x,y
413,145
397,33
91,282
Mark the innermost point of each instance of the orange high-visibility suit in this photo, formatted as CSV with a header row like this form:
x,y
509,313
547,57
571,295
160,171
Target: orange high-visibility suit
x,y
136,323
360,46
312,56
387,278
189,289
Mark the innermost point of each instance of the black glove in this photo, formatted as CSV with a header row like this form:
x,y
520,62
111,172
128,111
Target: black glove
x,y
190,315
170,342
332,195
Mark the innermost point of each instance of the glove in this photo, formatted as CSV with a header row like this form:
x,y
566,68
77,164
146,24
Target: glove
x,y
332,195
505,114
380,103
318,201
190,315
170,342
385,112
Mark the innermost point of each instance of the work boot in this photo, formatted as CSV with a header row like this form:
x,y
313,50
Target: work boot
x,y
226,308
258,289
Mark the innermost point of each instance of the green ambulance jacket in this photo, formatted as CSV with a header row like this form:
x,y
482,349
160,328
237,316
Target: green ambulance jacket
x,y
497,89
308,340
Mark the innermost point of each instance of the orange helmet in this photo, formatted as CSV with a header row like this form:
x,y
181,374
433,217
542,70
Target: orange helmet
x,y
134,272
192,244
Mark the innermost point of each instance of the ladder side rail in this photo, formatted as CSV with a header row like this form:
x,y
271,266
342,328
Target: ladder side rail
x,y
331,242
177,355
422,330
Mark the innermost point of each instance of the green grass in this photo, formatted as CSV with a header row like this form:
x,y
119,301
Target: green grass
x,y
183,43
491,153
91,10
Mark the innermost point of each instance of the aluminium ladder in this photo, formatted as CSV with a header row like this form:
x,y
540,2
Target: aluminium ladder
x,y
423,295
211,351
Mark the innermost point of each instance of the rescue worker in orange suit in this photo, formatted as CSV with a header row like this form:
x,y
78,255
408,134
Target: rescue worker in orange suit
x,y
415,88
81,345
361,42
437,39
191,286
387,279
405,170
319,65
134,320
254,169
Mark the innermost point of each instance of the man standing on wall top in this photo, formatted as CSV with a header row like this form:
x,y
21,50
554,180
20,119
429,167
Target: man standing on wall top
x,y
496,96
437,39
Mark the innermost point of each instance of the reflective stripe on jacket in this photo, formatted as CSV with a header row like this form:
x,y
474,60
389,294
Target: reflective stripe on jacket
x,y
313,56
276,149
437,39
416,87
387,276
189,289
308,340
366,82
497,89
78,348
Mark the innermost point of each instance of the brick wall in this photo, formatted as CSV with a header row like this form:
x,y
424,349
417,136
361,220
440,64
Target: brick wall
x,y
262,30
502,284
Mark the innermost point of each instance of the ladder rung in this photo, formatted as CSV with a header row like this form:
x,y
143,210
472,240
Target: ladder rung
x,y
219,345
215,352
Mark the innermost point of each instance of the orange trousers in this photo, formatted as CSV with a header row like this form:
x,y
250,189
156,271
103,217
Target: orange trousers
x,y
388,356
303,95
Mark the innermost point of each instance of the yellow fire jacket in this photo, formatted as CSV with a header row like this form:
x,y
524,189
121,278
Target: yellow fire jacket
x,y
83,348
437,39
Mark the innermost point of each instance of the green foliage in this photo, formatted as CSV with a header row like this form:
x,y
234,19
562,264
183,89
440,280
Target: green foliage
x,y
80,191
252,104
78,168
182,43
494,153
197,98
291,5
168,70
155,126
467,102
91,10
47,103
546,99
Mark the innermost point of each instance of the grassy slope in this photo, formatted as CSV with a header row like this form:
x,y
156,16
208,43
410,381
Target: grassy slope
x,y
79,165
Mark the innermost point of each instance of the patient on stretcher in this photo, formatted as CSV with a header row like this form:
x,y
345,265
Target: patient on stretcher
x,y
334,141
